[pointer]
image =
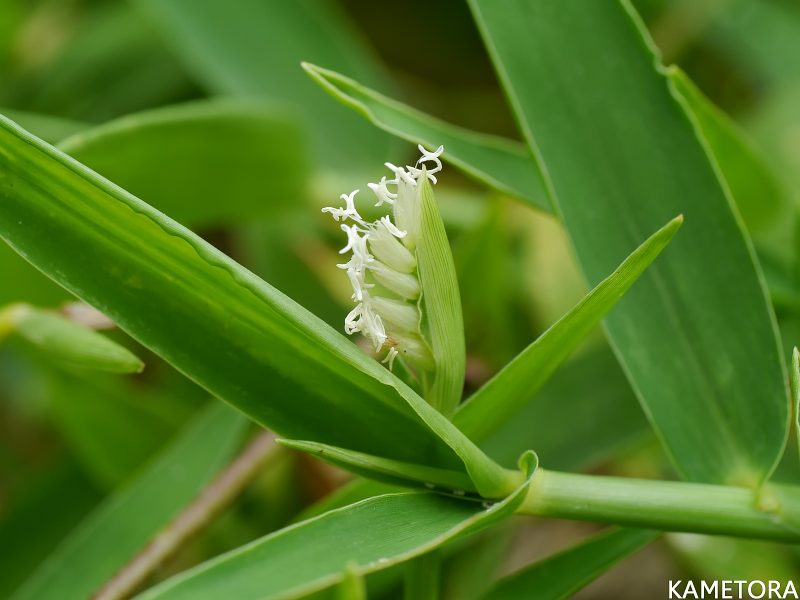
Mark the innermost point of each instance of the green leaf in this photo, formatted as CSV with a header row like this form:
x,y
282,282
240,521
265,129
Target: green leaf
x,y
500,163
256,50
313,555
109,424
563,574
753,185
113,63
130,517
441,305
70,343
386,470
508,391
212,319
49,128
255,166
622,156
796,392
566,420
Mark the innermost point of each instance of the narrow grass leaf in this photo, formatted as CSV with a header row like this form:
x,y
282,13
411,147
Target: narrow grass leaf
x,y
314,554
215,321
508,391
256,50
69,343
562,575
621,156
386,470
500,163
796,392
130,517
205,163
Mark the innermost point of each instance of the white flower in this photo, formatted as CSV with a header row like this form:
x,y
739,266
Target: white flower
x,y
428,157
382,193
400,175
388,323
387,222
349,211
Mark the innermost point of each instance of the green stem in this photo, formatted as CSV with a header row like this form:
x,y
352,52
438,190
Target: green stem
x,y
773,513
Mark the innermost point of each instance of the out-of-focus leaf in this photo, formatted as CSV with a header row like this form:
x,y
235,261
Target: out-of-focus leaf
x,y
256,50
561,575
567,422
508,391
622,156
69,343
51,129
113,63
207,163
313,555
710,557
32,527
111,426
503,164
127,520
231,332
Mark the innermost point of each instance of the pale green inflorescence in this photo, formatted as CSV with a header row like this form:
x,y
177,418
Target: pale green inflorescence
x,y
382,252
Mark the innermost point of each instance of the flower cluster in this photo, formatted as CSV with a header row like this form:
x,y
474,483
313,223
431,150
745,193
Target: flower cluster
x,y
382,251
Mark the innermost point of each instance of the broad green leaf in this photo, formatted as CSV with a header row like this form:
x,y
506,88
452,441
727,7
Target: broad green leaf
x,y
206,163
563,574
621,156
256,50
386,470
441,305
112,63
216,322
508,391
130,517
67,342
313,555
502,164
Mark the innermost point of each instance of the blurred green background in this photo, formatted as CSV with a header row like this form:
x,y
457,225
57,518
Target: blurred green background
x,y
170,99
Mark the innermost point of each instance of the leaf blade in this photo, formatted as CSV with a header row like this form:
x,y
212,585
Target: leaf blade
x,y
561,575
690,362
506,393
126,521
280,565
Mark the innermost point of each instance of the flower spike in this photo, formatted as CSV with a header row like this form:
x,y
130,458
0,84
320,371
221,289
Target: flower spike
x,y
390,324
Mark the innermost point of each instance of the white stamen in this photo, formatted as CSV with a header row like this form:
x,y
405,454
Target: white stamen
x,y
348,212
389,359
400,175
382,193
390,227
352,237
427,157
